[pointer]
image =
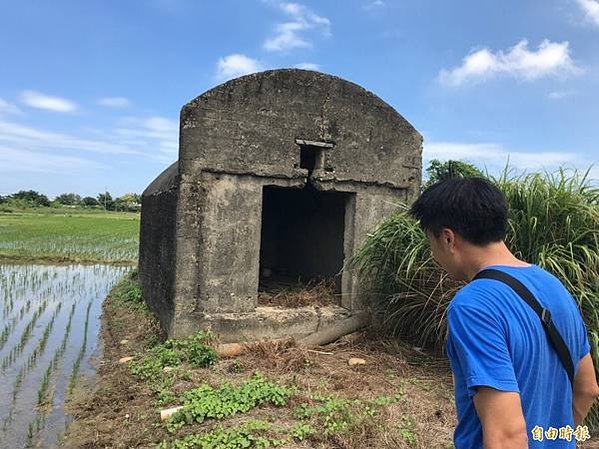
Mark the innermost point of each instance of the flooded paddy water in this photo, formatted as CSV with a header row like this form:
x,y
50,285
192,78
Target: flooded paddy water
x,y
49,331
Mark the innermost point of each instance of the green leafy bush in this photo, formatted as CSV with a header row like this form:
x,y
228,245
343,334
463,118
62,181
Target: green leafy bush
x,y
438,170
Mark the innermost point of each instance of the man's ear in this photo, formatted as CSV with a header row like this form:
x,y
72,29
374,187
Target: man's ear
x,y
448,239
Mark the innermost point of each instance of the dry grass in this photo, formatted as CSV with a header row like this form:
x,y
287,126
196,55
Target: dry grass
x,y
287,294
120,411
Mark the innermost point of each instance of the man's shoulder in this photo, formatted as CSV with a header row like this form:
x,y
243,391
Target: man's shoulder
x,y
474,294
488,295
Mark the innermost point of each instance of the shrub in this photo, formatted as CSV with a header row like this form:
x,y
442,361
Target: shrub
x,y
438,171
554,218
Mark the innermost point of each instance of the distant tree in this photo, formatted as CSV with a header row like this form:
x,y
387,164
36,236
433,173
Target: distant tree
x,y
131,198
32,198
438,171
89,201
68,199
130,202
106,201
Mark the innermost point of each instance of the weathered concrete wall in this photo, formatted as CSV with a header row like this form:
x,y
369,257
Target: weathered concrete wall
x,y
201,229
373,206
157,248
249,125
231,243
227,242
367,209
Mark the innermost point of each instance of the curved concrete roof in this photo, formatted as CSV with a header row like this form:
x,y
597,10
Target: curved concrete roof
x,y
256,121
310,76
165,180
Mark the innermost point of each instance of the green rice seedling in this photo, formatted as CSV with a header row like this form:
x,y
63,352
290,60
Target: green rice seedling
x,y
17,385
106,237
42,393
30,435
77,363
7,419
16,350
43,388
39,349
42,307
7,330
33,429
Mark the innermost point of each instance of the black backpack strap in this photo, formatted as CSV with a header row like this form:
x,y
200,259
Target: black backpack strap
x,y
545,316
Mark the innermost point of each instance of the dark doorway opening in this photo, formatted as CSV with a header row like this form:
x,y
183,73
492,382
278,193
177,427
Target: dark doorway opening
x,y
302,237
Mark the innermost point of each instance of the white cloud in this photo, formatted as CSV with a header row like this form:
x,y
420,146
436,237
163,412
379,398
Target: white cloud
x,y
307,66
551,58
27,138
8,108
12,160
558,95
49,103
157,133
154,138
236,65
376,4
494,157
591,10
496,154
114,102
289,35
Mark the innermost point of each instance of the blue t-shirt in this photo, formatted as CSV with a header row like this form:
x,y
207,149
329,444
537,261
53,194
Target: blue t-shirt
x,y
496,340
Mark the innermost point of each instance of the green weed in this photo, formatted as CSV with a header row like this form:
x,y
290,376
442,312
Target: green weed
x,y
206,402
251,434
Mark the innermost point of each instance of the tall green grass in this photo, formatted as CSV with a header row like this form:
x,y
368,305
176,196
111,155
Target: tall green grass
x,y
554,223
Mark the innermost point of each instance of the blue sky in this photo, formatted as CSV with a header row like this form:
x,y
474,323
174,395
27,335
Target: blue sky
x,y
90,92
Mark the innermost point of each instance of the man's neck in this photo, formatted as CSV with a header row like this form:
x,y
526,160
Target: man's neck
x,y
491,254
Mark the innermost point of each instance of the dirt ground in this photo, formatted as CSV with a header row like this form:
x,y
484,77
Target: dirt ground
x,y
120,411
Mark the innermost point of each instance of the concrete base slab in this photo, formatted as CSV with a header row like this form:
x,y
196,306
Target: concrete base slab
x,y
266,323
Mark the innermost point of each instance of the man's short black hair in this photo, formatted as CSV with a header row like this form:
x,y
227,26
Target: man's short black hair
x,y
473,207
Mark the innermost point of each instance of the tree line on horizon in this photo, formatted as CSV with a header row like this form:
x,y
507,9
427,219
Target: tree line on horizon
x,y
131,202
24,199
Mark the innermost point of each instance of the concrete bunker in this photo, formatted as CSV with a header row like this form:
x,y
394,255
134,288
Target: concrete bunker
x,y
280,177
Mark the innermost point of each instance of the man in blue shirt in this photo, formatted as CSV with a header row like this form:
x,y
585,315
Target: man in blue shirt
x,y
511,389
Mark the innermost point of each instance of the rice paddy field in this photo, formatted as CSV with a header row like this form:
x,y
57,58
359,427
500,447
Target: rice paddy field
x,y
50,318
76,236
56,268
